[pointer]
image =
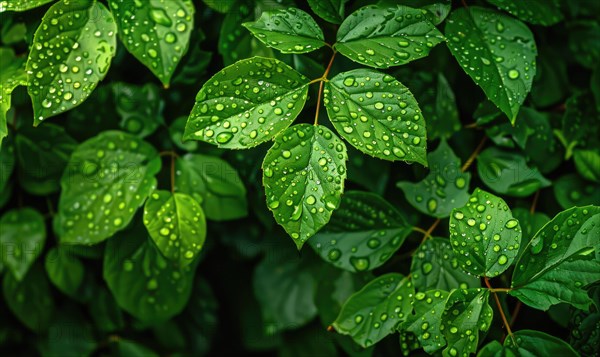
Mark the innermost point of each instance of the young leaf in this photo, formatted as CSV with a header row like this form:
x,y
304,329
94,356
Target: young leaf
x,y
381,37
329,10
377,114
289,31
247,103
162,27
214,183
143,282
587,163
571,190
529,343
537,12
559,261
484,42
176,224
467,312
435,266
13,74
71,53
64,270
426,322
364,232
444,188
508,173
109,177
372,313
22,237
21,5
484,235
303,175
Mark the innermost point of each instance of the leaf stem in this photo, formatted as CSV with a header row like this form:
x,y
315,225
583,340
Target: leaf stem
x,y
427,234
474,155
502,315
322,81
420,230
534,203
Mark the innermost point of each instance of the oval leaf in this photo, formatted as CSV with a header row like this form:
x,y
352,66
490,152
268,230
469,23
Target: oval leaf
x,y
176,224
109,177
484,42
484,235
71,53
247,103
377,114
382,37
289,31
161,27
303,175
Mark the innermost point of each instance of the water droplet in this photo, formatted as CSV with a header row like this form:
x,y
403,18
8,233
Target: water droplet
x,y
513,74
511,223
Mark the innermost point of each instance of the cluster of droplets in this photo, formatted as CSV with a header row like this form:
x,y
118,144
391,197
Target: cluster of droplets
x,y
485,235
247,103
377,114
425,323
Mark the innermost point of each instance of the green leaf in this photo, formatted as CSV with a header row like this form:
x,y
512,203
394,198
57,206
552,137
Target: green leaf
x,y
139,107
583,40
484,42
537,12
247,103
551,82
571,190
143,282
30,299
61,74
176,224
587,163
304,174
467,312
484,235
163,26
508,173
13,74
559,262
426,322
214,183
372,313
109,177
289,31
21,5
7,163
435,266
105,312
222,6
22,237
42,157
444,188
530,224
127,348
529,343
381,37
64,270
377,114
329,10
234,42
176,130
364,232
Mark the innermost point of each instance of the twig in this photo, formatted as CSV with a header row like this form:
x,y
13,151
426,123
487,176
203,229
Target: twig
x,y
322,82
502,315
474,155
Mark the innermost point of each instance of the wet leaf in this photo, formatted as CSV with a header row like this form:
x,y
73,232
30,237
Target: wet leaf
x,y
289,31
13,74
537,12
381,37
139,107
21,5
484,235
497,51
444,188
528,343
108,178
571,190
559,261
247,103
329,10
587,163
303,175
426,322
71,53
377,114
176,224
156,33
363,233
373,312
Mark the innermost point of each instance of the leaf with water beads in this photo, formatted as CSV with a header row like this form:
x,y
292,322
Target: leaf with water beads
x,y
289,31
363,233
21,5
71,52
497,51
303,175
381,37
372,313
537,12
484,235
559,261
587,163
329,10
108,177
528,343
377,114
444,188
247,103
156,33
13,74
176,224
426,322
435,266
571,190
